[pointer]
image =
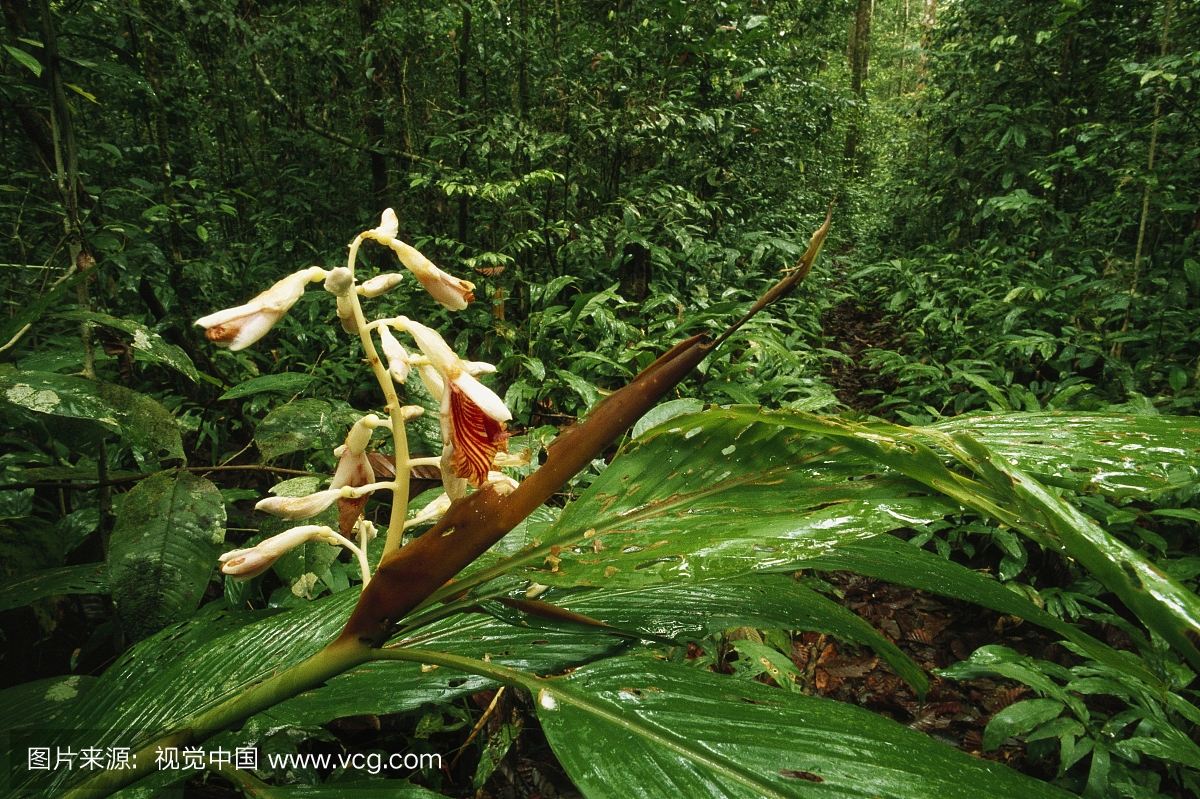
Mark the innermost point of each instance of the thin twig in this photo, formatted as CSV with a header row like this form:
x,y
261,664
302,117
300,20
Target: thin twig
x,y
479,725
133,478
329,134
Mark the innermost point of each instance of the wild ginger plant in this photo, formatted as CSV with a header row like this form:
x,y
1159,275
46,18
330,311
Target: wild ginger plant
x,y
686,532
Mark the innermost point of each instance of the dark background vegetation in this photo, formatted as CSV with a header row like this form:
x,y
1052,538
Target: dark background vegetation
x,y
1016,226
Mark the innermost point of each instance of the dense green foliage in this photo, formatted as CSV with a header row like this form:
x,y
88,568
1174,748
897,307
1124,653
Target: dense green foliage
x,y
1016,233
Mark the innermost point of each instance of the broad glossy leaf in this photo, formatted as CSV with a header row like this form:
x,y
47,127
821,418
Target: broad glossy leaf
x,y
141,420
395,686
90,578
1019,719
40,702
1113,454
886,558
677,610
712,496
164,546
638,726
183,670
664,412
284,383
144,340
30,312
1004,492
300,425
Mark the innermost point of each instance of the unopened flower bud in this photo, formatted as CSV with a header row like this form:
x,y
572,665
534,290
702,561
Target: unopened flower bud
x,y
380,284
410,412
298,507
512,460
503,484
434,510
389,225
452,292
345,314
339,281
238,328
243,564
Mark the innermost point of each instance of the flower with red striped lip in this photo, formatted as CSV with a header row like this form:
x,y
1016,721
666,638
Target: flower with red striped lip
x,y
238,328
473,416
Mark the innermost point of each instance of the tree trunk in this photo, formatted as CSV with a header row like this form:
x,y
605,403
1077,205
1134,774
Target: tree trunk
x,y
927,22
368,14
860,57
464,43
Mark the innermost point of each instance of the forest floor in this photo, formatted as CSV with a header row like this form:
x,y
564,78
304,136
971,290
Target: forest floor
x,y
850,328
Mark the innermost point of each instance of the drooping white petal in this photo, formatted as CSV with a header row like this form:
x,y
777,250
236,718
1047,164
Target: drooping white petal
x,y
283,295
345,314
238,328
430,342
484,397
397,356
452,292
456,487
243,564
432,381
298,507
477,368
240,331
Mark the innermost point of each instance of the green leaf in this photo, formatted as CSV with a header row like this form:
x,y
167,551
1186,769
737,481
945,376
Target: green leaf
x,y
301,425
665,412
713,495
497,747
1114,455
33,311
1019,719
886,558
637,726
90,578
141,420
1191,270
144,340
164,546
172,676
1005,493
364,789
384,687
678,610
40,702
284,383
768,660
25,59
